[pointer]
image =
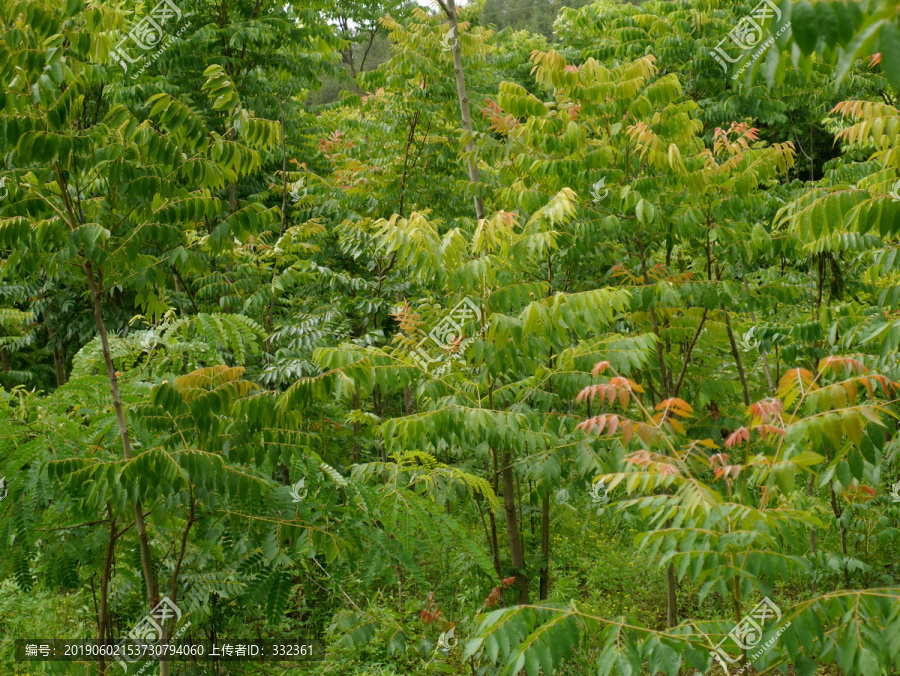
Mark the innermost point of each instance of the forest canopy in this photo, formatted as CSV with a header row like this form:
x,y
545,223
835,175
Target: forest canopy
x,y
517,337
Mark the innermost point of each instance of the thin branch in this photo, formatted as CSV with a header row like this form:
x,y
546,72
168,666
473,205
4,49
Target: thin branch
x,y
687,356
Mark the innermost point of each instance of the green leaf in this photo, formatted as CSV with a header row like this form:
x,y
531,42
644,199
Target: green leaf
x,y
804,26
664,659
785,474
831,426
843,473
889,41
856,463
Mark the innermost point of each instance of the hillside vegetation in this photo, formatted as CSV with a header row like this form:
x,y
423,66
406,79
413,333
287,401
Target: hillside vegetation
x,y
553,338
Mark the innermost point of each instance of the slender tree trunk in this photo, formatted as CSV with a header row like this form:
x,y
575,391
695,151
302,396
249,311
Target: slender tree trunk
x,y
492,539
532,509
812,534
522,530
146,553
232,187
687,354
487,534
544,587
671,600
59,365
764,356
168,626
408,400
409,142
516,552
103,614
177,290
663,376
59,358
378,406
736,602
821,280
495,543
356,427
813,310
169,629
449,8
283,223
545,546
837,514
663,380
737,358
495,484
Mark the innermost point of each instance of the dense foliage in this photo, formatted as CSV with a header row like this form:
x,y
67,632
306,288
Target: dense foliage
x,y
528,345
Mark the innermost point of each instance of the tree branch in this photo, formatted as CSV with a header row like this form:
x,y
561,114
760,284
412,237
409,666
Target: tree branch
x,y
687,356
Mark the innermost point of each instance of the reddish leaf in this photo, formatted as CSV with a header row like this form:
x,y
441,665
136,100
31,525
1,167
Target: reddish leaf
x,y
676,405
740,435
600,367
719,459
613,424
728,471
770,430
668,470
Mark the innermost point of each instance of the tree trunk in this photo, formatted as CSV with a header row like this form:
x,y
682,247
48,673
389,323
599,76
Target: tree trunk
x,y
169,625
495,542
764,356
838,512
737,358
495,557
450,10
378,405
671,598
520,505
356,427
146,554
812,533
512,526
59,365
545,546
408,400
736,603
671,601
103,614
59,357
283,224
